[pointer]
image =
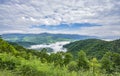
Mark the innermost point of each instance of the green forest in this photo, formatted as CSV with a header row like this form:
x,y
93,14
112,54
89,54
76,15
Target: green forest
x,y
94,47
99,58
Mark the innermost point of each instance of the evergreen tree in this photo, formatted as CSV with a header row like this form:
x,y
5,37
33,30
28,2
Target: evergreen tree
x,y
59,59
83,62
116,61
43,55
67,58
72,66
107,63
95,66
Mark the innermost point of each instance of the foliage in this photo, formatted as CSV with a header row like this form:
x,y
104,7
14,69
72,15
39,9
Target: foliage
x,y
93,47
68,57
5,47
95,65
72,66
83,62
7,73
18,61
111,62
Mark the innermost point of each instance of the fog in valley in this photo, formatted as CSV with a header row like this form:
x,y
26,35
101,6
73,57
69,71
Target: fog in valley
x,y
58,46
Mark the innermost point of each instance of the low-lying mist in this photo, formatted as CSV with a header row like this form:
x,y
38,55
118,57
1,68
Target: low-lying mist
x,y
58,46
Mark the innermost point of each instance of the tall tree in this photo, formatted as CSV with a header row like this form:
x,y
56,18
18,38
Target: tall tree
x,y
95,66
107,63
67,58
83,62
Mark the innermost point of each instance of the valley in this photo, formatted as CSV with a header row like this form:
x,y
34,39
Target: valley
x,y
26,40
61,58
54,47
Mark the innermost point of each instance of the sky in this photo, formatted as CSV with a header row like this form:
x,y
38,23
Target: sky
x,y
99,18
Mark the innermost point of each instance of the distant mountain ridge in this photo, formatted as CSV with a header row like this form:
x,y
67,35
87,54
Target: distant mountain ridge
x,y
94,47
43,38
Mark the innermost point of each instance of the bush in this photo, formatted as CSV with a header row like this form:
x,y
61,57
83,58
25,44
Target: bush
x,y
72,66
7,61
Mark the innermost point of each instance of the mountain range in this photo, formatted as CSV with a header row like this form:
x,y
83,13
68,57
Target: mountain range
x,y
92,47
44,38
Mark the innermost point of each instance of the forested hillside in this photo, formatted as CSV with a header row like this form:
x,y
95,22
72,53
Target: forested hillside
x,y
94,47
18,61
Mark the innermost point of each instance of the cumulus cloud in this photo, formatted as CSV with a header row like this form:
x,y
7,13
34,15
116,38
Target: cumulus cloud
x,y
20,15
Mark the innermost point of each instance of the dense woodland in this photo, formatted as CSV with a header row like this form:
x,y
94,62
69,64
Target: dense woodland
x,y
94,47
18,61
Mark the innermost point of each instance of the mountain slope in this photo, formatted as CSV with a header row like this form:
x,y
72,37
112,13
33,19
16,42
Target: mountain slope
x,y
94,47
6,47
43,38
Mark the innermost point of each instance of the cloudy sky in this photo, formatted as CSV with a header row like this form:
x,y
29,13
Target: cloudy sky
x,y
99,18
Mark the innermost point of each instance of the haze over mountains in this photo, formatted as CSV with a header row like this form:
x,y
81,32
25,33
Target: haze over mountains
x,y
92,47
43,38
53,47
53,42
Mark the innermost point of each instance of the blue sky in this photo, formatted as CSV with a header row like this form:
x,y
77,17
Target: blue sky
x,y
62,26
99,18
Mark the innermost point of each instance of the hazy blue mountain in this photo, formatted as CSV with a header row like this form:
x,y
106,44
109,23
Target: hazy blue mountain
x,y
43,38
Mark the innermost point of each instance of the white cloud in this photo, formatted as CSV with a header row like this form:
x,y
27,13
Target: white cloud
x,y
101,31
20,15
58,46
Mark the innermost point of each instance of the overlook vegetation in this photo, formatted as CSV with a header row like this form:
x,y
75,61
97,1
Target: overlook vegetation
x,y
18,61
94,47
